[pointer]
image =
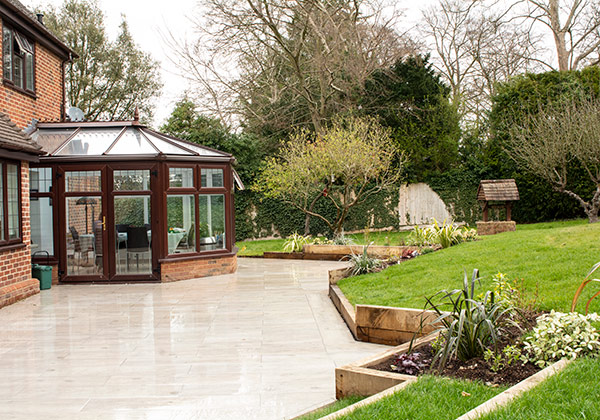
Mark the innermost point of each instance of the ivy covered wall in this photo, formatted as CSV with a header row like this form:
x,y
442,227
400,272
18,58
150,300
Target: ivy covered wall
x,y
258,217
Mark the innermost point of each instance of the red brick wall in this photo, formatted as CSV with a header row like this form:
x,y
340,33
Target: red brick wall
x,y
22,108
15,265
191,269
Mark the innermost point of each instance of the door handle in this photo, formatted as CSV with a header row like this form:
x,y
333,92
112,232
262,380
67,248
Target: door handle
x,y
104,223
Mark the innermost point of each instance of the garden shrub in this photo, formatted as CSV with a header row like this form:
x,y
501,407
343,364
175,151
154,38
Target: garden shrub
x,y
469,326
560,335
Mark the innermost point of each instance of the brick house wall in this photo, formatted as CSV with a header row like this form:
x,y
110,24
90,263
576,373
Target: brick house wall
x,y
16,282
48,100
15,264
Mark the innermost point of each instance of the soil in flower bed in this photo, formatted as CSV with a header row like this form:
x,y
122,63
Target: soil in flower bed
x,y
474,369
477,368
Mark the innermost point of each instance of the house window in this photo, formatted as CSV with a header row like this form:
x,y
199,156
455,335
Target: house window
x,y
10,201
195,210
18,57
41,211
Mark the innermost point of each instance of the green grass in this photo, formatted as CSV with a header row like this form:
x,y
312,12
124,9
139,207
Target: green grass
x,y
428,398
554,256
572,394
257,247
338,405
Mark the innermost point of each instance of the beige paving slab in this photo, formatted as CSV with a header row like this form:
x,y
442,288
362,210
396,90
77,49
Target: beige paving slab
x,y
258,344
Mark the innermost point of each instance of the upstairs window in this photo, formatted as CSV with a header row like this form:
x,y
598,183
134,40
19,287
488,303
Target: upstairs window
x,y
18,56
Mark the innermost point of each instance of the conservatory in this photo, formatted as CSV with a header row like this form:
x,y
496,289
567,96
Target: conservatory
x,y
117,201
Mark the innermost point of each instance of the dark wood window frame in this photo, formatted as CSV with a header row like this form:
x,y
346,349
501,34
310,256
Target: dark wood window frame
x,y
8,243
197,191
18,35
52,259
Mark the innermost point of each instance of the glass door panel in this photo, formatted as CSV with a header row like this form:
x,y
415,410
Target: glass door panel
x,y
84,236
133,250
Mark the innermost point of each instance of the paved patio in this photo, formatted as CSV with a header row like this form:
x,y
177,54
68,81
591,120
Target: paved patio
x,y
259,344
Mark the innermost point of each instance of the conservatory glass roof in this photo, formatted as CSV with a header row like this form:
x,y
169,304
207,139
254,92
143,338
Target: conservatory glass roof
x,y
111,139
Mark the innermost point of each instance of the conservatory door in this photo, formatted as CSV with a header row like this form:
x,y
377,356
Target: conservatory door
x,y
83,231
132,247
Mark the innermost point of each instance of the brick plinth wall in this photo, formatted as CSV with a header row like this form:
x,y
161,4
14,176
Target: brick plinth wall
x,y
15,264
491,228
191,269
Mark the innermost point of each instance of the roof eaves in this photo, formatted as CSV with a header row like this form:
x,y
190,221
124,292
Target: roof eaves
x,y
210,149
22,11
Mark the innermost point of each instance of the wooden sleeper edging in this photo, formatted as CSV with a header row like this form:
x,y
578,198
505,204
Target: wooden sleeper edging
x,y
490,405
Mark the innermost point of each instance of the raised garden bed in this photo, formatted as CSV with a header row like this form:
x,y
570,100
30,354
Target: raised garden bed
x,y
340,252
376,324
381,399
375,251
359,379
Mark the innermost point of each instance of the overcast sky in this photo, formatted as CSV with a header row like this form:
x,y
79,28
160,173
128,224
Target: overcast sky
x,y
148,19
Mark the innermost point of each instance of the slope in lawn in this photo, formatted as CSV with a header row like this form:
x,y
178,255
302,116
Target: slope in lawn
x,y
554,256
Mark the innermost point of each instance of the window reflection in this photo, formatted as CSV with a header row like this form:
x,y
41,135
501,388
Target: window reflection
x,y
212,221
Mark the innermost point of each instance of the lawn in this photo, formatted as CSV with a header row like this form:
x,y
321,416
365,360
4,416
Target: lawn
x,y
572,394
430,397
332,408
550,257
257,247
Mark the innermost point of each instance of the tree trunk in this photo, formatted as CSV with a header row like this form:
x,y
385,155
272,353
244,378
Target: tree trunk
x,y
307,225
559,35
307,217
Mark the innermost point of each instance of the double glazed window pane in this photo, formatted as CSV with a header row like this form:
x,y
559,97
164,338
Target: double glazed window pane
x,y
181,223
132,180
40,180
212,178
7,53
82,181
133,250
18,71
212,221
12,190
29,71
181,177
42,235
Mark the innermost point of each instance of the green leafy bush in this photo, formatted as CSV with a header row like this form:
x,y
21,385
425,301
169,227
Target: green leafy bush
x,y
295,242
467,326
422,237
498,361
445,235
505,290
363,263
342,239
560,335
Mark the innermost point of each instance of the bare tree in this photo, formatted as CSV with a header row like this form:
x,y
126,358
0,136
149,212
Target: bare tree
x,y
553,140
288,62
573,24
476,46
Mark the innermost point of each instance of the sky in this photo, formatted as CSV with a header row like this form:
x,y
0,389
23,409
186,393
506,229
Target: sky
x,y
148,22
